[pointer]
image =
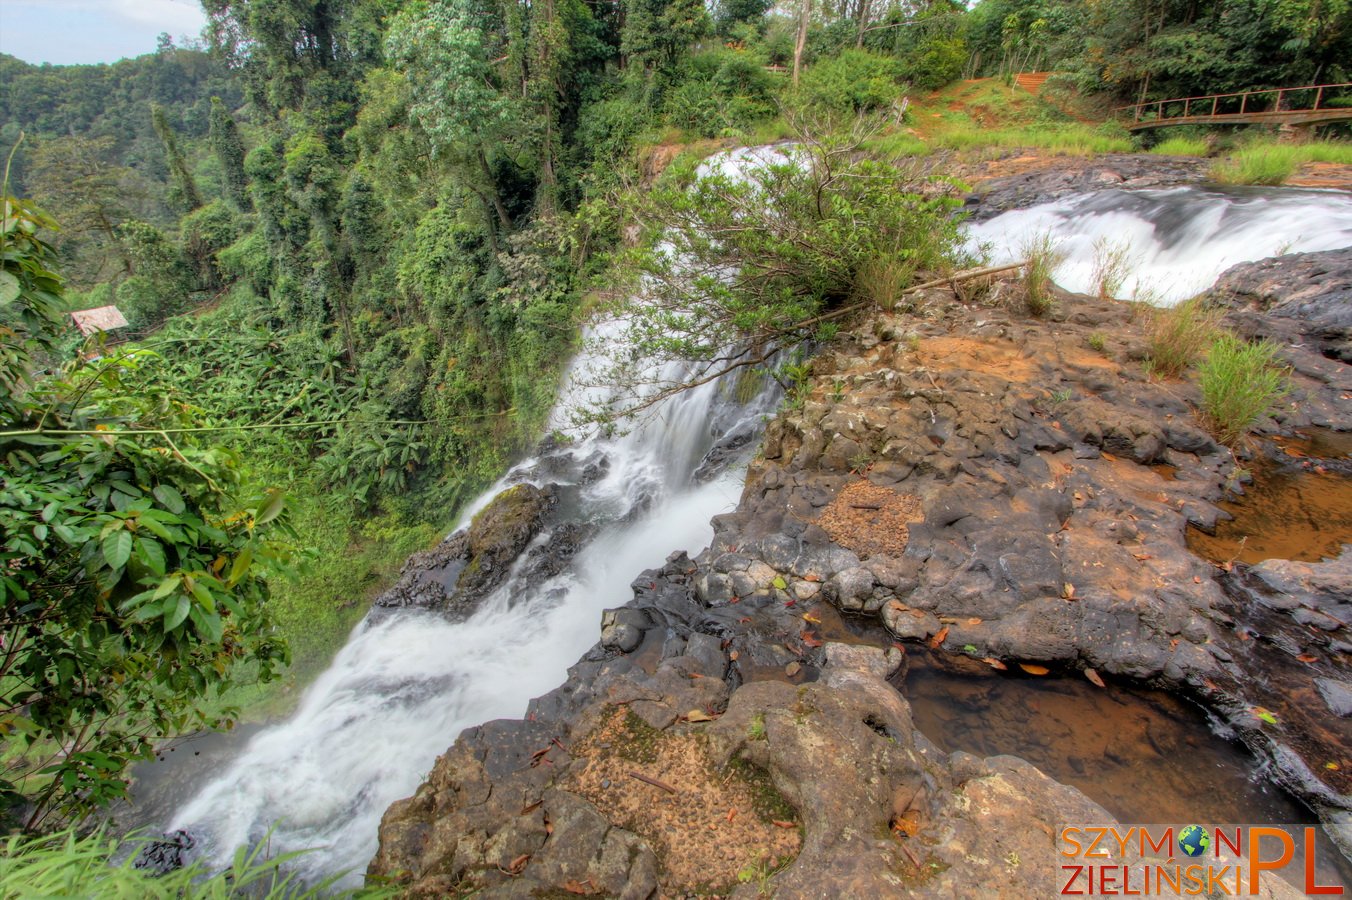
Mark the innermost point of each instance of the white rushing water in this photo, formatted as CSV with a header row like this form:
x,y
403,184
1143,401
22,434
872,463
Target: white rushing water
x,y
1176,241
409,681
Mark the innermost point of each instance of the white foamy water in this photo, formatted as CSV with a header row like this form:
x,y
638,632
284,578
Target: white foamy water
x,y
408,682
1178,240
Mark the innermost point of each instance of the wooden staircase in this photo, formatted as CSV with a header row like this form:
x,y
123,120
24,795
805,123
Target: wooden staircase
x,y
1032,82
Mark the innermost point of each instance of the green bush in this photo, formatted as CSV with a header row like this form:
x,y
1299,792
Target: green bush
x,y
721,90
247,260
935,61
606,129
855,81
1240,384
207,231
771,247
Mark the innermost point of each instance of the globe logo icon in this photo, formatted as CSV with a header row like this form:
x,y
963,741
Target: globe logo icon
x,y
1193,840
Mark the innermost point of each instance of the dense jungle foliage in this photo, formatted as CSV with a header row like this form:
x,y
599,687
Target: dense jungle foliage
x,y
355,239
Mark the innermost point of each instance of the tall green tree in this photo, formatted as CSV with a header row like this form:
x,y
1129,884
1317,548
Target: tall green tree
x,y
184,194
447,52
229,150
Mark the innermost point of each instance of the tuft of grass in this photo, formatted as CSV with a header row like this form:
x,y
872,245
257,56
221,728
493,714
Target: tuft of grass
x,y
1272,163
1098,341
1181,146
1112,263
66,864
1063,139
1241,383
1177,336
882,280
1043,256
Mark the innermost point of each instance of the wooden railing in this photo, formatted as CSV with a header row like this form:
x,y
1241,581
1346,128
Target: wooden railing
x,y
1298,105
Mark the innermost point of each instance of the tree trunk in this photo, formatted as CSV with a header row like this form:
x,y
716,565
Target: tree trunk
x,y
549,182
504,219
804,17
863,23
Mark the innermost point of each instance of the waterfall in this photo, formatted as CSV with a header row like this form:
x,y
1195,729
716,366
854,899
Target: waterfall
x,y
408,681
1176,241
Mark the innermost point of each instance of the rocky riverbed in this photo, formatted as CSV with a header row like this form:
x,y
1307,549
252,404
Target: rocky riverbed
x,y
1007,490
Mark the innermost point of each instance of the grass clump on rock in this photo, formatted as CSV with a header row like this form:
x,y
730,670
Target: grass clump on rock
x,y
1176,337
1241,383
1043,256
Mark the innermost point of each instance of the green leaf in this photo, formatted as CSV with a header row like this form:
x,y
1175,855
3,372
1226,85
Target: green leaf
x,y
209,625
241,566
117,548
170,498
151,554
9,288
155,528
199,590
273,509
167,587
174,618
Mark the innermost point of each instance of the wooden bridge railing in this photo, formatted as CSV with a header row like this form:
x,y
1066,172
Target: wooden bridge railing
x,y
1257,105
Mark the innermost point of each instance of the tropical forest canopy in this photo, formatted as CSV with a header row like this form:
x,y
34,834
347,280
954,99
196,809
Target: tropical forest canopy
x,y
355,239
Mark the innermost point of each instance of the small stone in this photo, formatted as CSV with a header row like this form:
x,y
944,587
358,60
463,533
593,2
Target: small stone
x,y
1337,694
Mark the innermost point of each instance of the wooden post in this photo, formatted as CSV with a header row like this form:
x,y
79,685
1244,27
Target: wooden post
x,y
1243,102
1319,97
1214,101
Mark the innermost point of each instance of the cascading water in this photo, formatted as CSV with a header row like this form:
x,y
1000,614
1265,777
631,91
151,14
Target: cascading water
x,y
409,681
1176,241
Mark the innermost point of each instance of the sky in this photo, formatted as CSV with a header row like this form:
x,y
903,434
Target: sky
x,y
92,31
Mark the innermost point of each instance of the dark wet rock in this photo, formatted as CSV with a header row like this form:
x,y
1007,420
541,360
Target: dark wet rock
x,y
622,629
724,453
1063,177
1303,301
459,572
162,856
562,543
1322,587
1302,294
1337,694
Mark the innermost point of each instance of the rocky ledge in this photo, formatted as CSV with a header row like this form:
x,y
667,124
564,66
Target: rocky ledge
x,y
1017,182
1007,489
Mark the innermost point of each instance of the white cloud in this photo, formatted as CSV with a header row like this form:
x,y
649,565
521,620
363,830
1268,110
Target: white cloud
x,y
174,16
86,31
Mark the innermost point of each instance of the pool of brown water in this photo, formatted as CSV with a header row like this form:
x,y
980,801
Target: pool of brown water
x,y
1297,507
1145,756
